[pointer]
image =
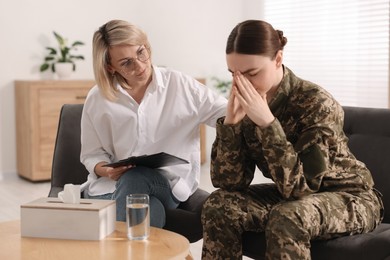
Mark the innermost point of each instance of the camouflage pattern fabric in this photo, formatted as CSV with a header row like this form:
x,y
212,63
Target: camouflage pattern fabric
x,y
320,189
289,225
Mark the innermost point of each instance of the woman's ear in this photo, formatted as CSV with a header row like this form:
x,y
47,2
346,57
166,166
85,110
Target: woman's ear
x,y
110,69
279,58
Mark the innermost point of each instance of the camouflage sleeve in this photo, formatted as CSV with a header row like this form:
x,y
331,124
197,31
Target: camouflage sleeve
x,y
298,169
230,167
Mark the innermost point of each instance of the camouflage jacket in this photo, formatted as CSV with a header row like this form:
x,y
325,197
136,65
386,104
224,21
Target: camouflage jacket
x,y
304,150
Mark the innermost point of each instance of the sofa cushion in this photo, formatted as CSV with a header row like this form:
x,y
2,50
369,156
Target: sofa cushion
x,y
373,245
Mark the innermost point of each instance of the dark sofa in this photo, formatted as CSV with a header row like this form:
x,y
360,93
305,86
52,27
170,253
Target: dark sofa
x,y
369,139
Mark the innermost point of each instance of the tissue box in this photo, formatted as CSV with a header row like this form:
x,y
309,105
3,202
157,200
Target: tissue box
x,y
51,218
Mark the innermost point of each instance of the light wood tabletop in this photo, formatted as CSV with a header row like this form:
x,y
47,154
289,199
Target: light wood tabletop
x,y
161,244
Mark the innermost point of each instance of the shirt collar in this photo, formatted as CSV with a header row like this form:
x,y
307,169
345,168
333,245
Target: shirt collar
x,y
282,92
157,78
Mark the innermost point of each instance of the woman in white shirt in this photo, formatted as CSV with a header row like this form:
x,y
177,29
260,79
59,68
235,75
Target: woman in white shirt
x,y
136,109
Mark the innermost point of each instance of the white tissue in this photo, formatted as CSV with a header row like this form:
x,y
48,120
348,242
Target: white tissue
x,y
70,194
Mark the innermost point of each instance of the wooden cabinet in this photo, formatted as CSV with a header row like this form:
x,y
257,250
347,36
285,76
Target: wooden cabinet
x,y
37,107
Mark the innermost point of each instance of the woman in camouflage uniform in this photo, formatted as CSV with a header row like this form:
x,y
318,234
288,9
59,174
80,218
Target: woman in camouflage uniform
x,y
292,130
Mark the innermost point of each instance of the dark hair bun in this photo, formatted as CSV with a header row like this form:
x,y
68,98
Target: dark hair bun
x,y
282,39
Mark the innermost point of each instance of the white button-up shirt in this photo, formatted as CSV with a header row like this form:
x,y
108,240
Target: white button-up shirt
x,y
167,120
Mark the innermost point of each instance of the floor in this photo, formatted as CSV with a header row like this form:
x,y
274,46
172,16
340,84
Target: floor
x,y
15,191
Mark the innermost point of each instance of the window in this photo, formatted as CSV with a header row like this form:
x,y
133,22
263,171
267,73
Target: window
x,y
342,45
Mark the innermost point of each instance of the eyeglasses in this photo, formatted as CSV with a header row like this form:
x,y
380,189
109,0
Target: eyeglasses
x,y
129,65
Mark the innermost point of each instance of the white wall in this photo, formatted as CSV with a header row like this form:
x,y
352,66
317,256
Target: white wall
x,y
187,35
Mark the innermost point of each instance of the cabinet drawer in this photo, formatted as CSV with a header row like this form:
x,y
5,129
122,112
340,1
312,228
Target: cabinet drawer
x,y
51,100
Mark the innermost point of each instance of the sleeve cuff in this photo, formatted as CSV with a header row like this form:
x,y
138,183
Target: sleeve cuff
x,y
227,133
273,133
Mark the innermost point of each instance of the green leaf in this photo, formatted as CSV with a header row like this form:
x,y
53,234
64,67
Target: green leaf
x,y
76,43
49,58
44,67
52,50
59,38
78,57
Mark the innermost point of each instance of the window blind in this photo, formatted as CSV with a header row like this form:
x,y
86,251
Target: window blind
x,y
342,45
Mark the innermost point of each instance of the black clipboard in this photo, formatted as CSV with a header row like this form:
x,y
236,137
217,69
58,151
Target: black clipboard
x,y
151,161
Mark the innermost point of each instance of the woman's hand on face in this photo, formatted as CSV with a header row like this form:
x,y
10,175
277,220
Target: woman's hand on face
x,y
254,104
235,112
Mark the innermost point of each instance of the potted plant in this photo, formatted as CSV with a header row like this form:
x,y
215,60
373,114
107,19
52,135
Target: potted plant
x,y
61,56
223,86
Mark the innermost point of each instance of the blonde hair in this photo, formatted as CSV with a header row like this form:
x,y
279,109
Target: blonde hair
x,y
112,33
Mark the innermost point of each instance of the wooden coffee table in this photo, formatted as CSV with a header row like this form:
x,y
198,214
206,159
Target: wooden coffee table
x,y
161,244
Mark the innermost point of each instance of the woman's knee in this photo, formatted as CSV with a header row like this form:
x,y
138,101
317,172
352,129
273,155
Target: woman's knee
x,y
137,179
135,174
284,220
220,207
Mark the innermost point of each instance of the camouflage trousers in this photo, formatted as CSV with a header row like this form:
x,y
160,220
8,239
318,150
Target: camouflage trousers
x,y
289,225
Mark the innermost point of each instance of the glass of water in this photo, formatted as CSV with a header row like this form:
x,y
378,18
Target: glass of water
x,y
137,216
